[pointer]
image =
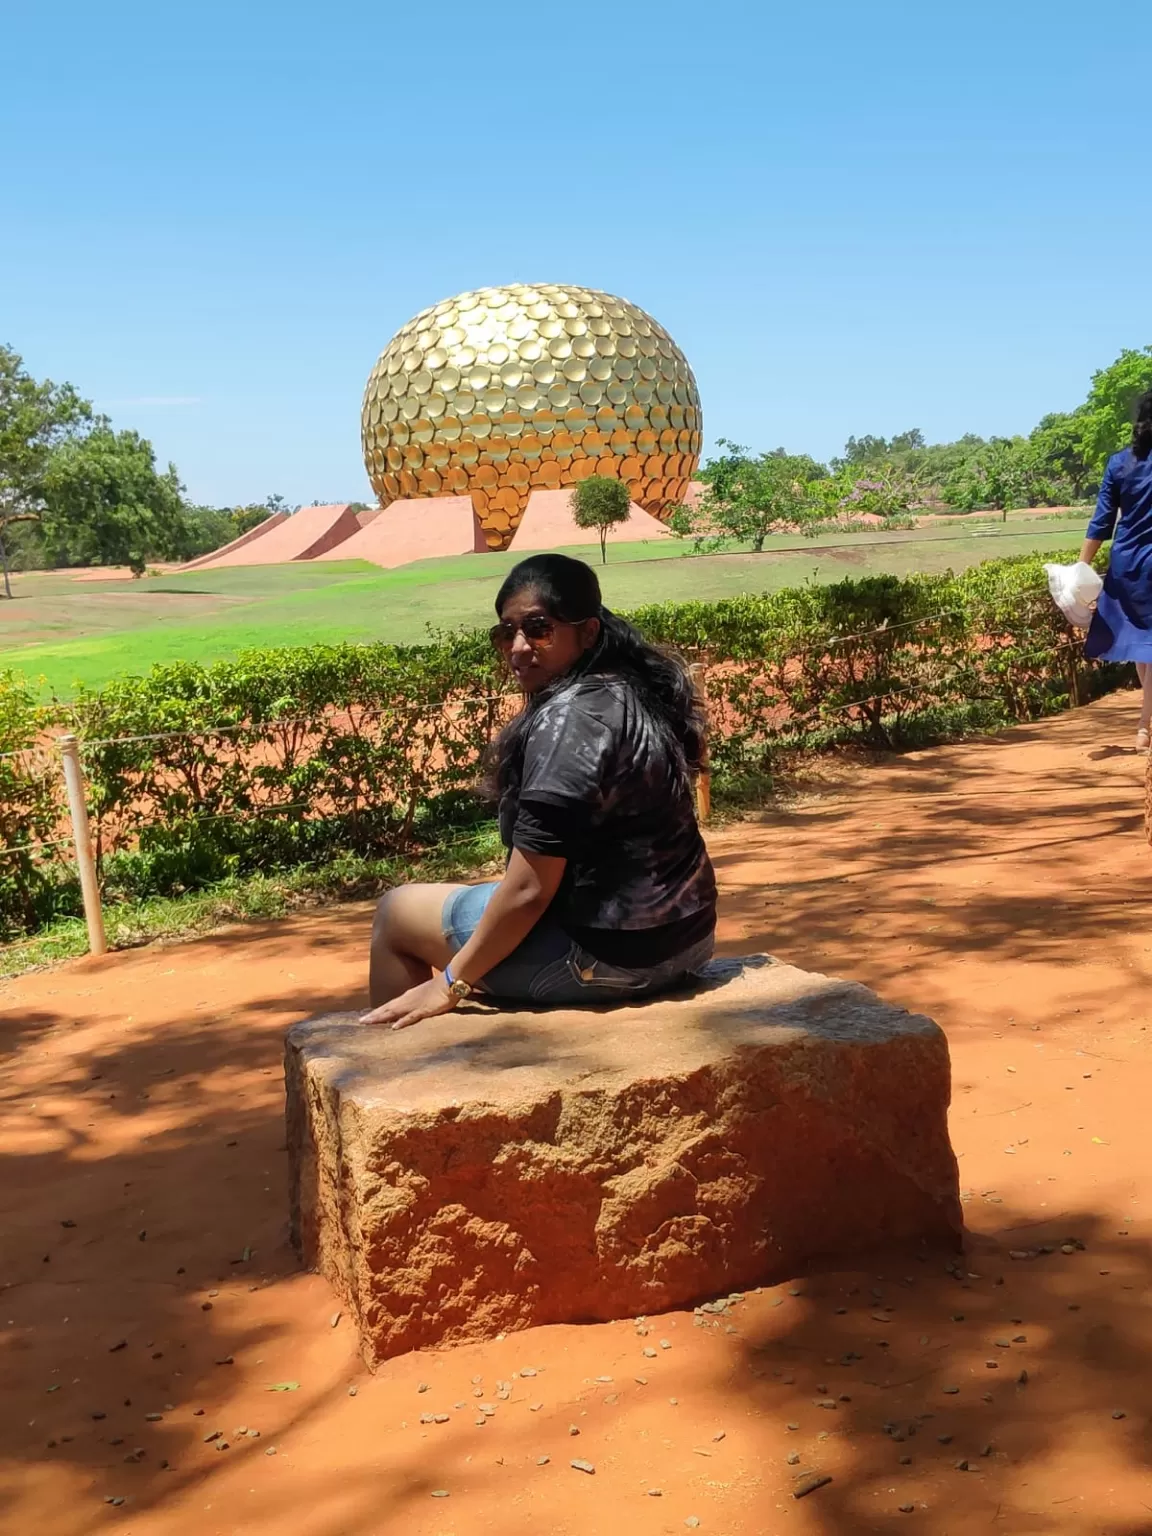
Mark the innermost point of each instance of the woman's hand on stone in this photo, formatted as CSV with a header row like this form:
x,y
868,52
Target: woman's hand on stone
x,y
427,1001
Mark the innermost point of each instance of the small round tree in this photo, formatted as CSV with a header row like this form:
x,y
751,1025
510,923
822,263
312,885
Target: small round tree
x,y
601,503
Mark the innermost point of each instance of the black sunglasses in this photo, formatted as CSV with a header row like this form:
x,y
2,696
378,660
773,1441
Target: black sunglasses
x,y
537,629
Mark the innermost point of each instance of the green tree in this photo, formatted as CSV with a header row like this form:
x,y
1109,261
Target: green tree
x,y
1006,472
1111,403
771,493
105,502
1061,442
602,503
36,417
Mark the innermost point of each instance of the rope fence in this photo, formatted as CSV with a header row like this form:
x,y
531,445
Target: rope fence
x,y
456,738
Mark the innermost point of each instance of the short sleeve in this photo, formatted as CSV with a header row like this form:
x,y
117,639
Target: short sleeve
x,y
556,831
570,751
1103,523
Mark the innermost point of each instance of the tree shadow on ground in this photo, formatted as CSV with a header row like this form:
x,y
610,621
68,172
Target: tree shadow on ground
x,y
1028,1378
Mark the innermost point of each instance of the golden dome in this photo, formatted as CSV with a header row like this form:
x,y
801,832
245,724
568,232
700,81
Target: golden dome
x,y
504,391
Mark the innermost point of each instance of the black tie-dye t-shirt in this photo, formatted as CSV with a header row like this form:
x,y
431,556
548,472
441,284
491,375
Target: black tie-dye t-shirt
x,y
599,787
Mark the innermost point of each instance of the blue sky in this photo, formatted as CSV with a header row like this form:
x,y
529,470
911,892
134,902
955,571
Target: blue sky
x,y
852,217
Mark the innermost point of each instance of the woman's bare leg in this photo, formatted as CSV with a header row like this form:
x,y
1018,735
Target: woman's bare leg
x,y
408,941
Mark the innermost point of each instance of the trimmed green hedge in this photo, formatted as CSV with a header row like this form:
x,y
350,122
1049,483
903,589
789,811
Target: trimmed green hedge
x,y
294,757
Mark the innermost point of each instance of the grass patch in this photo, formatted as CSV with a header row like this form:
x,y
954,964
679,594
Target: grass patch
x,y
255,898
67,632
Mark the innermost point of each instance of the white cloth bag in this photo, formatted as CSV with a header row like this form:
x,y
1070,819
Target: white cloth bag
x,y
1074,590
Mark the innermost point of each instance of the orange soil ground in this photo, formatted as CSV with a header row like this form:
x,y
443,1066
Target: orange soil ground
x,y
150,1299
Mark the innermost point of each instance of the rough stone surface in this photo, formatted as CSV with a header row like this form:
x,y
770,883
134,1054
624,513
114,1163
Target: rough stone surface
x,y
490,1171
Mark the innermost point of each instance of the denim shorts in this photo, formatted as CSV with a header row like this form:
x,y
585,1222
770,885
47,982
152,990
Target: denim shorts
x,y
550,967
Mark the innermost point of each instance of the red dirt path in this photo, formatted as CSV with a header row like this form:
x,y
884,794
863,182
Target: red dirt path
x,y
1001,886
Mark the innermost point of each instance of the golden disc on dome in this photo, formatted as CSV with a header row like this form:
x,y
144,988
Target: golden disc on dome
x,y
547,473
606,464
518,474
473,385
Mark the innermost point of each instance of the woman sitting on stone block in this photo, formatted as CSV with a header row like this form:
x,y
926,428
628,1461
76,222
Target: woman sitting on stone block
x,y
608,893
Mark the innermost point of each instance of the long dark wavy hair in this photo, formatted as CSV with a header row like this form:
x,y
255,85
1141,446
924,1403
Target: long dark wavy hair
x,y
1142,430
568,590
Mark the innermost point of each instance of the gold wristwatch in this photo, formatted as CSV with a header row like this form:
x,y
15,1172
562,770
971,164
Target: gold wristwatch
x,y
460,990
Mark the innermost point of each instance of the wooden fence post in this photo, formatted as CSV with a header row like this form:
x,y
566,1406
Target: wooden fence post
x,y
82,840
703,784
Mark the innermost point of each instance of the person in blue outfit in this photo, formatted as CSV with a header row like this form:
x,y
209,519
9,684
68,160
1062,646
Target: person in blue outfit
x,y
608,893
1121,627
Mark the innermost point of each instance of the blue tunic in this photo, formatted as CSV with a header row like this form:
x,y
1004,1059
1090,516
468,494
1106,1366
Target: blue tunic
x,y
1122,625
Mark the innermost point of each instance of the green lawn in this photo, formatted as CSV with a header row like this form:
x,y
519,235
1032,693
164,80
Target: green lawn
x,y
66,632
